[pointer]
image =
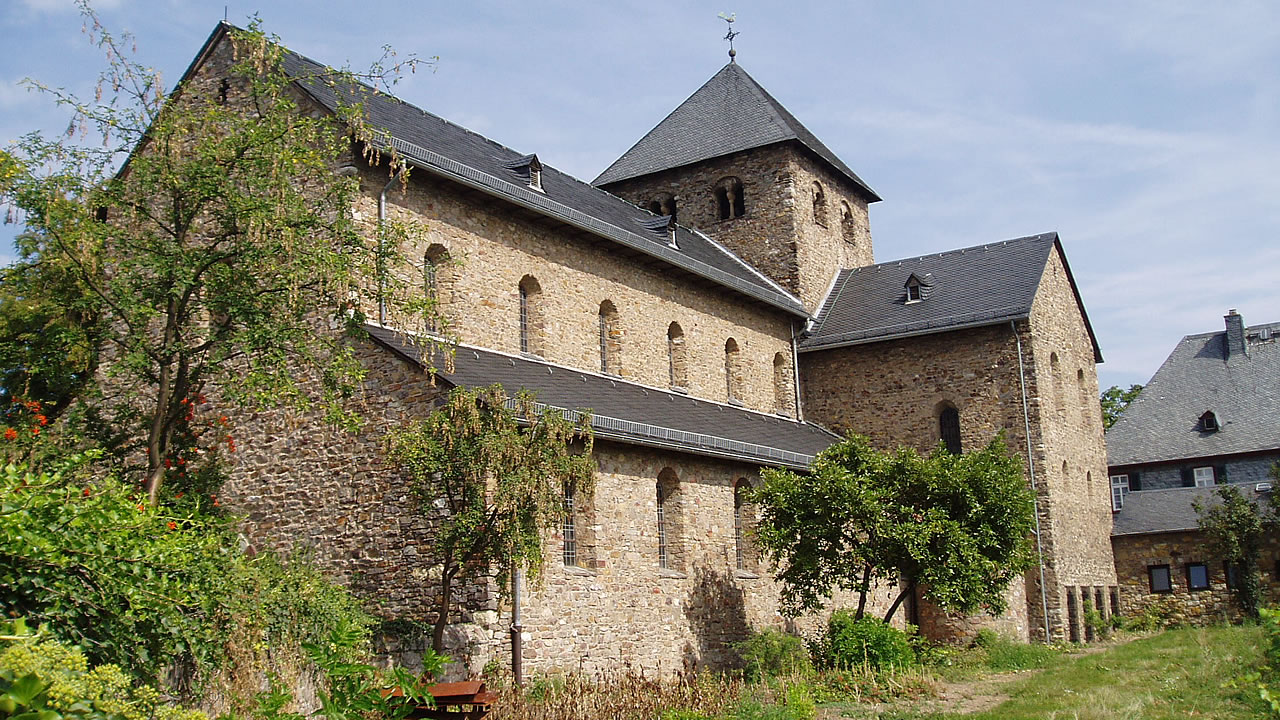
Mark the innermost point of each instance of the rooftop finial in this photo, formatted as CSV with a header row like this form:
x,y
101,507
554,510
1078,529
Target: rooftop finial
x,y
731,34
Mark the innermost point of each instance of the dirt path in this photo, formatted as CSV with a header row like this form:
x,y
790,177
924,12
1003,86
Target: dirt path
x,y
961,696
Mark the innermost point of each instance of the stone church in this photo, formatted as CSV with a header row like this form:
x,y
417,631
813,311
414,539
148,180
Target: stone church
x,y
713,298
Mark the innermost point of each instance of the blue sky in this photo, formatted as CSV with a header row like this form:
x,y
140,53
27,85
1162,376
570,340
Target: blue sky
x,y
1145,133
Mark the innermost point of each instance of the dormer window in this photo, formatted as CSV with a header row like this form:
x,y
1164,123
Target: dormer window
x,y
529,169
1209,422
666,225
916,288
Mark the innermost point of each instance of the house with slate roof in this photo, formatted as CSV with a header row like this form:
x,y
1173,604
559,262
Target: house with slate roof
x,y
1209,416
712,298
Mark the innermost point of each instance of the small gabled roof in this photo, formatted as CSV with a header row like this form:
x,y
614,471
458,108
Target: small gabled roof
x,y
450,151
1169,510
729,113
1241,389
628,412
981,285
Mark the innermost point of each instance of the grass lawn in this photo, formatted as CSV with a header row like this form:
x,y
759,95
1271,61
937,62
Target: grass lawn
x,y
1176,674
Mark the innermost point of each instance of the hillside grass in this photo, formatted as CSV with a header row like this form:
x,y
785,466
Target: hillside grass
x,y
1175,674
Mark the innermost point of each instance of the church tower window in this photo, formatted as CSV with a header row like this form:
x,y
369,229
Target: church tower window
x,y
730,202
819,204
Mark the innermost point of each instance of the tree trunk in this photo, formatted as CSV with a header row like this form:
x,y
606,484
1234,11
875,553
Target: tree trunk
x,y
906,589
862,593
442,617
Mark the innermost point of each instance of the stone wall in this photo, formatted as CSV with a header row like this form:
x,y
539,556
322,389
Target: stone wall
x,y
1135,554
1071,454
493,246
780,234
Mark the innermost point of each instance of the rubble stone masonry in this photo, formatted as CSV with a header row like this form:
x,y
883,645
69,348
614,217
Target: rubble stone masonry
x,y
782,233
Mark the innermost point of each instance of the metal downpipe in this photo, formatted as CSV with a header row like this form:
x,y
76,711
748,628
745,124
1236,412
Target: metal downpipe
x,y
1031,467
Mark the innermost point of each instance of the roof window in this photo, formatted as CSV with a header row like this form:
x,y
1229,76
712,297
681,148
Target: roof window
x,y
917,288
1208,422
529,169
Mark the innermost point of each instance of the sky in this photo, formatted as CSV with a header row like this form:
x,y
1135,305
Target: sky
x,y
1145,133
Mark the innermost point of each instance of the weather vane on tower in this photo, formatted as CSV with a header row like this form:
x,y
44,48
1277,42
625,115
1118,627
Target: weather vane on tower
x,y
731,34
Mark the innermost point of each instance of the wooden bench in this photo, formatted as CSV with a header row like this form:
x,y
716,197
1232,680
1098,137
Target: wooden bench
x,y
467,700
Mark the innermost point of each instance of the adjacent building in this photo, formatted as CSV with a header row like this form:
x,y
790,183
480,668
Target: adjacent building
x,y
1209,416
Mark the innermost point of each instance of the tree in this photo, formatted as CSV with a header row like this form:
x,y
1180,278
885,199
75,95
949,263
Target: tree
x,y
1236,527
957,526
1114,401
202,245
491,475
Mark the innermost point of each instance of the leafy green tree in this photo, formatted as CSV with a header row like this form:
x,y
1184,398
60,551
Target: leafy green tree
x,y
491,476
199,238
1236,528
958,526
1114,400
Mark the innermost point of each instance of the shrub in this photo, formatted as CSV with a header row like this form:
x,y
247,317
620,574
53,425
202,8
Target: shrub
x,y
1266,680
867,641
771,653
42,678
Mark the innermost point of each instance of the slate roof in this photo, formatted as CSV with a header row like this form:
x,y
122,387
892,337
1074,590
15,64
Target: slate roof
x,y
976,286
631,413
442,148
729,113
1154,511
1242,390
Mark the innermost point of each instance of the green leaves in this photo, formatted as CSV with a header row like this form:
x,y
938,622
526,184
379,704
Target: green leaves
x,y
1236,529
958,525
490,472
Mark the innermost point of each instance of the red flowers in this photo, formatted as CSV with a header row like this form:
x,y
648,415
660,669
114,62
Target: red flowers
x,y
42,419
87,492
10,434
173,525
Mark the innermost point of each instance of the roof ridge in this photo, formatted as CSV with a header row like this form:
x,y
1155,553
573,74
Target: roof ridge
x,y
957,251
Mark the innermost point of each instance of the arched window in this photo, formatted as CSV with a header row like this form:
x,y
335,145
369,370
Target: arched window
x,y
848,226
610,339
655,207
670,521
949,428
743,524
435,284
781,384
677,367
819,204
530,316
730,202
732,371
569,530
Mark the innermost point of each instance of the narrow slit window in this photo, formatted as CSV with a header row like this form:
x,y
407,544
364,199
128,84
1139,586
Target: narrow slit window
x,y
569,531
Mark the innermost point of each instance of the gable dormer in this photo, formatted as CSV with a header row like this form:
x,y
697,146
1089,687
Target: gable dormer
x,y
528,169
917,287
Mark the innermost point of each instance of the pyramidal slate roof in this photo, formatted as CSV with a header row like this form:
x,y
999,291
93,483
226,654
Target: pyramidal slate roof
x,y
1241,389
442,148
729,113
1169,510
628,412
972,287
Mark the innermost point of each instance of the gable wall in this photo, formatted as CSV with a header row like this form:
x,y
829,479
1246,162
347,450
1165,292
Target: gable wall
x,y
493,247
778,234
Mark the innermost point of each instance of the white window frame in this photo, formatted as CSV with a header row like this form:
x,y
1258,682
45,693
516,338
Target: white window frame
x,y
1119,488
1204,476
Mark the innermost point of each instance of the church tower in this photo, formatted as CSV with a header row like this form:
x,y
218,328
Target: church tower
x,y
731,162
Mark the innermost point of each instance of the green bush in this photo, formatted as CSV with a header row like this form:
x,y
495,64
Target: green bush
x,y
772,653
852,643
1266,680
42,679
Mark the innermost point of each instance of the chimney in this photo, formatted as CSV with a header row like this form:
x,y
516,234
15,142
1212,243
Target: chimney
x,y
1235,344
